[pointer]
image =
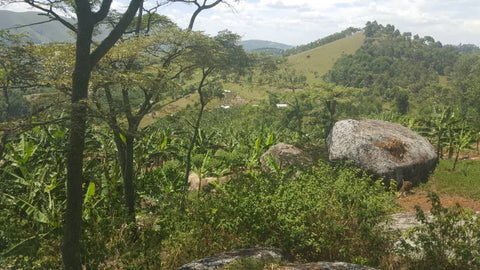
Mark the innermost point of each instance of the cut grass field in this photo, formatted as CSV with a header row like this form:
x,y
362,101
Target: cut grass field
x,y
316,62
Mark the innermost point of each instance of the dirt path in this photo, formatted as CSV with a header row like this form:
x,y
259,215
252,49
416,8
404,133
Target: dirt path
x,y
420,198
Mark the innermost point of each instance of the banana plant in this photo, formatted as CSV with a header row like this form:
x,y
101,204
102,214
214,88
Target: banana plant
x,y
462,140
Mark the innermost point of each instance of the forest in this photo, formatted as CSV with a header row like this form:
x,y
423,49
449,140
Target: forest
x,y
98,140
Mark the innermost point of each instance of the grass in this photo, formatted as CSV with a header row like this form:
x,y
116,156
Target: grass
x,y
316,62
464,181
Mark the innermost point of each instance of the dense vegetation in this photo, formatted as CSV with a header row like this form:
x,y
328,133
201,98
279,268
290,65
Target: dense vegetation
x,y
137,210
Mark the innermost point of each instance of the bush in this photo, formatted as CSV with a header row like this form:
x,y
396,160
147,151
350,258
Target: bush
x,y
449,239
329,213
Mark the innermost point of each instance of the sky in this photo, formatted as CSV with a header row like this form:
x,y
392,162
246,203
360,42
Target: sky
x,y
297,22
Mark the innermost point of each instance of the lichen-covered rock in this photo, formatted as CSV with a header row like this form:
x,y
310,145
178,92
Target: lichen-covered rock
x,y
285,155
382,148
219,261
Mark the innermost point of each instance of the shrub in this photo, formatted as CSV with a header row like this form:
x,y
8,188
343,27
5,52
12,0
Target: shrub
x,y
448,239
328,213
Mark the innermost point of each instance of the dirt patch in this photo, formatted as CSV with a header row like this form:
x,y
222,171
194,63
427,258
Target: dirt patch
x,y
420,198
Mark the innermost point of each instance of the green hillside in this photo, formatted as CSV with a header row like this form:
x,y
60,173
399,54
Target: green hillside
x,y
39,33
316,62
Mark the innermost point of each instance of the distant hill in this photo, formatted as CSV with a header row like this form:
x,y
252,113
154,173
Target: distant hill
x,y
40,33
316,62
320,42
269,47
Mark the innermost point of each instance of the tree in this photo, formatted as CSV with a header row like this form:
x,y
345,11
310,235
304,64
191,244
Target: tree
x,y
18,66
290,80
88,16
133,78
214,58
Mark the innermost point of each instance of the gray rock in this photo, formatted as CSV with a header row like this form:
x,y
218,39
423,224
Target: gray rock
x,y
285,155
325,266
384,149
221,260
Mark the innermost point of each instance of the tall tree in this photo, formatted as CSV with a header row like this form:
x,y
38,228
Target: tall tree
x,y
89,15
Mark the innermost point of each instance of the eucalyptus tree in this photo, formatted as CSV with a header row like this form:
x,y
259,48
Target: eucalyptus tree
x,y
88,15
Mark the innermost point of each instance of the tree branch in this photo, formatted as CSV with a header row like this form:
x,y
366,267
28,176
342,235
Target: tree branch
x,y
52,14
116,33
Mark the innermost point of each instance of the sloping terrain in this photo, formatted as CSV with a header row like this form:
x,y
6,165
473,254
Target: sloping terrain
x,y
255,45
316,62
39,33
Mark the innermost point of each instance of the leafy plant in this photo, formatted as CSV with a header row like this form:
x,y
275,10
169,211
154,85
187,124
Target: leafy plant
x,y
448,239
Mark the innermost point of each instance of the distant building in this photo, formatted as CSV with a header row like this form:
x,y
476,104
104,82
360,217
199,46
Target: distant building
x,y
282,105
225,106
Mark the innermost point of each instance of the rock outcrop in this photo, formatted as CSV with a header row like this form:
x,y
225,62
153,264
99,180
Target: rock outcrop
x,y
265,255
219,261
285,155
384,149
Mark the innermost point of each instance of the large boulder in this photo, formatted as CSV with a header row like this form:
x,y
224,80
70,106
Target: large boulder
x,y
384,149
285,155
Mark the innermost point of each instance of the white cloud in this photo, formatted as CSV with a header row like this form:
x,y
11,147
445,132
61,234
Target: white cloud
x,y
301,21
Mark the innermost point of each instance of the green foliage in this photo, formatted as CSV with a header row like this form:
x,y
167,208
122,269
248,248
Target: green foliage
x,y
18,72
33,198
388,59
449,239
326,214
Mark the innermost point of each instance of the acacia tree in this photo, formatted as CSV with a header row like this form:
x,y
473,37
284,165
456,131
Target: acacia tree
x,y
135,76
88,15
214,58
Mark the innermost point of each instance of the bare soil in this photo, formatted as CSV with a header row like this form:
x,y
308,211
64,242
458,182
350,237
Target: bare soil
x,y
420,198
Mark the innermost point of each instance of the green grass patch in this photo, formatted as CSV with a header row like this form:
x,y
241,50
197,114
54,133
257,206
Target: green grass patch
x,y
316,62
464,181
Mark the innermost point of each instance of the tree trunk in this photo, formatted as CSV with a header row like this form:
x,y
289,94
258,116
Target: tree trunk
x,y
128,178
139,19
6,97
203,103
192,144
76,145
